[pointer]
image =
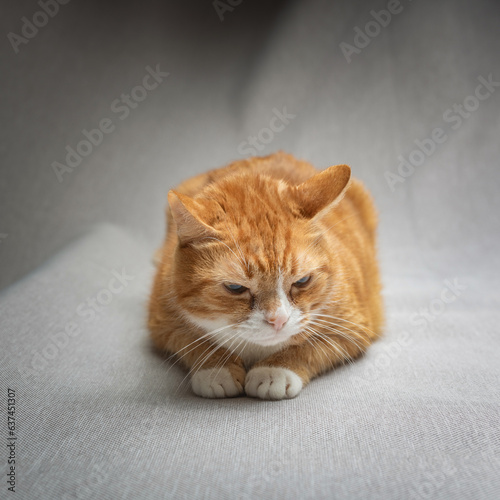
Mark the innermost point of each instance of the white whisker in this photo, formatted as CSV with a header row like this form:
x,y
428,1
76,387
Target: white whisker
x,y
198,365
339,332
205,338
337,347
346,320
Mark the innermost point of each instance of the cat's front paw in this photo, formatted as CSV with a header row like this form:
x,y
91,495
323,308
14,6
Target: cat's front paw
x,y
272,382
215,383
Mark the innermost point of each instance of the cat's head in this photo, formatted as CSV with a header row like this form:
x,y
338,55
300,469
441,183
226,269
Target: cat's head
x,y
252,261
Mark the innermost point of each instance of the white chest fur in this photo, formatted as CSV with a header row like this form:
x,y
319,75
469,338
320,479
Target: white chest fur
x,y
252,353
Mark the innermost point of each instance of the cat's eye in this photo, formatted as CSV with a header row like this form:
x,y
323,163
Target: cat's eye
x,y
235,288
303,281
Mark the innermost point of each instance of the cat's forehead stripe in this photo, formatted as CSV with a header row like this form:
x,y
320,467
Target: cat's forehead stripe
x,y
266,253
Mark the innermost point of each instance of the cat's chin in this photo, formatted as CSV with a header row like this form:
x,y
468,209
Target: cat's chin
x,y
269,342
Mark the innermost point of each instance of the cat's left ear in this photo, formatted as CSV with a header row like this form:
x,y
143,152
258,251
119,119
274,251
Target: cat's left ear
x,y
190,216
322,192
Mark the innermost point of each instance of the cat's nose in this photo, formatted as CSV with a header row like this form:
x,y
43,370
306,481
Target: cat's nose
x,y
277,319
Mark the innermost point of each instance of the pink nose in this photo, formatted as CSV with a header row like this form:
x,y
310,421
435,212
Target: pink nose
x,y
277,320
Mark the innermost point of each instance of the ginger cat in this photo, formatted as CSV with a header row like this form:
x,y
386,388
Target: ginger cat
x,y
268,276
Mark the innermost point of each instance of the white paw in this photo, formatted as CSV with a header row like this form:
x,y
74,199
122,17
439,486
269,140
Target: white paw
x,y
270,382
215,383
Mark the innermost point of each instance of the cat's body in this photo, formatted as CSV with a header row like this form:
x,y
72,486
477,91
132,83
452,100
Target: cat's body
x,y
268,276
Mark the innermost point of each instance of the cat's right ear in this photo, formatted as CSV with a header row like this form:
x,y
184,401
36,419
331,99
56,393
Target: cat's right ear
x,y
188,216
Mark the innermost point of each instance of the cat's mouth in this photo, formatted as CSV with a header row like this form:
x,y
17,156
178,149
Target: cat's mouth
x,y
268,336
271,339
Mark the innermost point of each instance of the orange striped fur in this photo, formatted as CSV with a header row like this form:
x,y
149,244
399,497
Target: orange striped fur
x,y
263,224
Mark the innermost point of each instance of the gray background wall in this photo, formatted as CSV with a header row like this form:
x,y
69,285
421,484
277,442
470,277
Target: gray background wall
x,y
225,79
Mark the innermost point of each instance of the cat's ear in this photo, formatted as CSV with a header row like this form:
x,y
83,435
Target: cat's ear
x,y
323,191
189,216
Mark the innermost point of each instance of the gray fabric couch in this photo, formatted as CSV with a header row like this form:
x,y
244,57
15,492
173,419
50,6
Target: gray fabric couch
x,y
404,92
